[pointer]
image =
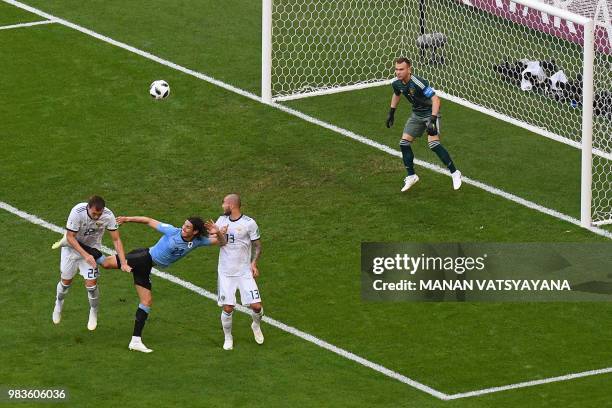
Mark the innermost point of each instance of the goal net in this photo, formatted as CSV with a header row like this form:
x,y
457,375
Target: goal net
x,y
526,61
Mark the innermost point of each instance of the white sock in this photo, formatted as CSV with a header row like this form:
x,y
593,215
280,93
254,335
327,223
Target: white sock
x,y
93,294
61,291
257,316
226,322
136,339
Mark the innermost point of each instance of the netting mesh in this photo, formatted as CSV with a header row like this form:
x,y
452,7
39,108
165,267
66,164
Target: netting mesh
x,y
321,44
523,64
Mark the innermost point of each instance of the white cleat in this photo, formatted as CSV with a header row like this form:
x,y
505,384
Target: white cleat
x,y
93,319
57,311
456,179
409,181
138,345
228,344
61,243
259,337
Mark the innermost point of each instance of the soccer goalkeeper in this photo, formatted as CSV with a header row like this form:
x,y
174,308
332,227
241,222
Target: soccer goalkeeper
x,y
425,117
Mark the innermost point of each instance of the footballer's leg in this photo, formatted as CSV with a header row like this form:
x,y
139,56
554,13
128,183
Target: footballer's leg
x,y
145,297
62,242
257,314
227,313
68,268
141,263
442,153
415,127
249,295
90,275
60,292
227,286
93,295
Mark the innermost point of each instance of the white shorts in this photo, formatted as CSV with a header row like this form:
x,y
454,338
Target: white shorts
x,y
71,261
227,286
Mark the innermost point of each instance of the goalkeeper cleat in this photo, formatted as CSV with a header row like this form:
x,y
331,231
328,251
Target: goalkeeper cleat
x,y
136,344
259,337
57,311
228,344
93,319
409,182
61,243
456,179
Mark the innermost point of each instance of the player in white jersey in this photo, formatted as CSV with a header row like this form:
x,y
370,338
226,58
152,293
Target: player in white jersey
x,y
238,268
85,228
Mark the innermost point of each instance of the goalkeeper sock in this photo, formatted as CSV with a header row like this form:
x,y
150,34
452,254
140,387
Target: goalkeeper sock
x,y
438,149
407,156
142,313
226,322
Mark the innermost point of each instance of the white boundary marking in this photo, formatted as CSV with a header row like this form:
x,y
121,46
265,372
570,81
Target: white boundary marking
x,y
354,136
322,343
310,119
529,383
35,23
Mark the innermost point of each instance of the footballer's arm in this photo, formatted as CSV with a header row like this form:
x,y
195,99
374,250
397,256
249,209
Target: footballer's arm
x,y
139,220
435,105
391,116
120,251
216,235
256,255
395,99
71,238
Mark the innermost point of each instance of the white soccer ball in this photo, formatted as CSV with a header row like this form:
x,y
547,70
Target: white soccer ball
x,y
159,89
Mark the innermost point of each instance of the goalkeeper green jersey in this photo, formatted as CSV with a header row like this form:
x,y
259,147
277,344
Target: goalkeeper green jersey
x,y
418,92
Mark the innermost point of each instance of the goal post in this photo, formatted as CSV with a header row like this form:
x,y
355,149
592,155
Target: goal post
x,y
586,177
537,66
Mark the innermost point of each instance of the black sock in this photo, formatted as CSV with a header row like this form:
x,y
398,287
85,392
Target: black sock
x,y
407,156
141,318
438,149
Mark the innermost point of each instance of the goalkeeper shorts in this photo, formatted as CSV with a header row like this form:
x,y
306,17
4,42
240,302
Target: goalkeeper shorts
x,y
416,125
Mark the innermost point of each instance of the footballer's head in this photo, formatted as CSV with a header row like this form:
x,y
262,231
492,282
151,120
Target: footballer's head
x,y
193,227
95,207
403,69
230,203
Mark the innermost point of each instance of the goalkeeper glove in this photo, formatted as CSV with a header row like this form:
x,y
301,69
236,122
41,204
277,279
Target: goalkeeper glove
x,y
391,117
432,127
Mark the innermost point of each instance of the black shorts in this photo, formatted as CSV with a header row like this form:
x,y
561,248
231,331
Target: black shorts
x,y
141,262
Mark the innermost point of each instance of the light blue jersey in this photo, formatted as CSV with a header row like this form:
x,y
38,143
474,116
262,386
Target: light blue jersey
x,y
172,247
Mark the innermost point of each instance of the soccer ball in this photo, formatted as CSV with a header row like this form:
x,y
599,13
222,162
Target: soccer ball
x,y
159,89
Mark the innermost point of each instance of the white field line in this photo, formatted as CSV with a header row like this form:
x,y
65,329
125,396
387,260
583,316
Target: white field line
x,y
322,343
529,383
310,119
35,23
280,325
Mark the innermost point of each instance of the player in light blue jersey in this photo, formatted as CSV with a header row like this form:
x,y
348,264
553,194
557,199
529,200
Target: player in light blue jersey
x,y
172,246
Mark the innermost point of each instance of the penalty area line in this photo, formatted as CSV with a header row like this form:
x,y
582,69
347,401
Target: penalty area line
x,y
532,383
344,132
34,23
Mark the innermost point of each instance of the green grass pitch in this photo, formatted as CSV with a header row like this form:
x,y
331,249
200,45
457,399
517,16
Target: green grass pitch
x,y
77,119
